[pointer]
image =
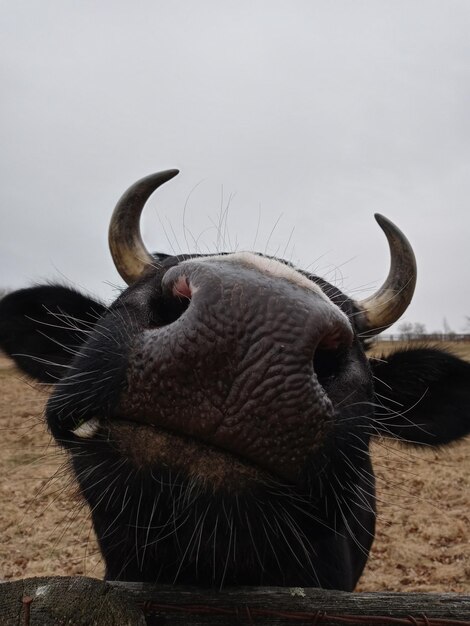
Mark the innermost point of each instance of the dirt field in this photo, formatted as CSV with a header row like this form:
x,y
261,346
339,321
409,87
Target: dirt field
x,y
423,532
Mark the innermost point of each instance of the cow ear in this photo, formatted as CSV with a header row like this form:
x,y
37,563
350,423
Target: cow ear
x,y
42,327
425,395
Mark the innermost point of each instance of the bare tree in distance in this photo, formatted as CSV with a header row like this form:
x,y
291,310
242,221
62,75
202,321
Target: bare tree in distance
x,y
447,329
410,331
419,330
406,330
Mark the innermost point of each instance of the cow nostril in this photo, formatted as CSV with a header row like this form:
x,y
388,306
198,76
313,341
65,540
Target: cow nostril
x,y
173,302
182,288
168,309
338,338
330,355
328,363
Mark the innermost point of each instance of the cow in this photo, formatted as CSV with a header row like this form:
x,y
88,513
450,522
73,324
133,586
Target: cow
x,y
218,414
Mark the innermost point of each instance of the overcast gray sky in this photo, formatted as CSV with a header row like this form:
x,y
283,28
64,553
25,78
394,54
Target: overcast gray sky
x,y
304,116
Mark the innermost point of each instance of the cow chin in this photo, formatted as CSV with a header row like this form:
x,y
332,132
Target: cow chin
x,y
149,448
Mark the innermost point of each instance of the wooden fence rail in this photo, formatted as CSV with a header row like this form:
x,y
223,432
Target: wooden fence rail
x,y
54,601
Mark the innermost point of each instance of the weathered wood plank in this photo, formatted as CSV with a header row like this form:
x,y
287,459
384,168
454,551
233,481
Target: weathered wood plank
x,y
49,601
285,606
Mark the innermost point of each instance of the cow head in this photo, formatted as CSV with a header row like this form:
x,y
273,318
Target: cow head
x,y
218,414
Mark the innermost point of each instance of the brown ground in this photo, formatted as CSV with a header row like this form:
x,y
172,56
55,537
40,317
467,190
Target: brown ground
x,y
422,540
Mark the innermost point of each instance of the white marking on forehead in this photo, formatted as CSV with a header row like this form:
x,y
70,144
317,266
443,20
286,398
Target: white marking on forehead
x,y
270,267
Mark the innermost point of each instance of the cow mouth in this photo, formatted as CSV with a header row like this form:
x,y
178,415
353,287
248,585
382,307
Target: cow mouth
x,y
148,446
264,442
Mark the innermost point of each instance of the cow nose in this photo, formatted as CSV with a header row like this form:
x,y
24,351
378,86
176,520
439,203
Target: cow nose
x,y
242,361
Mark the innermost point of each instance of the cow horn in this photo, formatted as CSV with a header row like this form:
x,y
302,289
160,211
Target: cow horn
x,y
387,304
129,254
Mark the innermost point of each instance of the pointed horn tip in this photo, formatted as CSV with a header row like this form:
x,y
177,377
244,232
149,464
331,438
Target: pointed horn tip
x,y
158,178
383,221
391,229
167,174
